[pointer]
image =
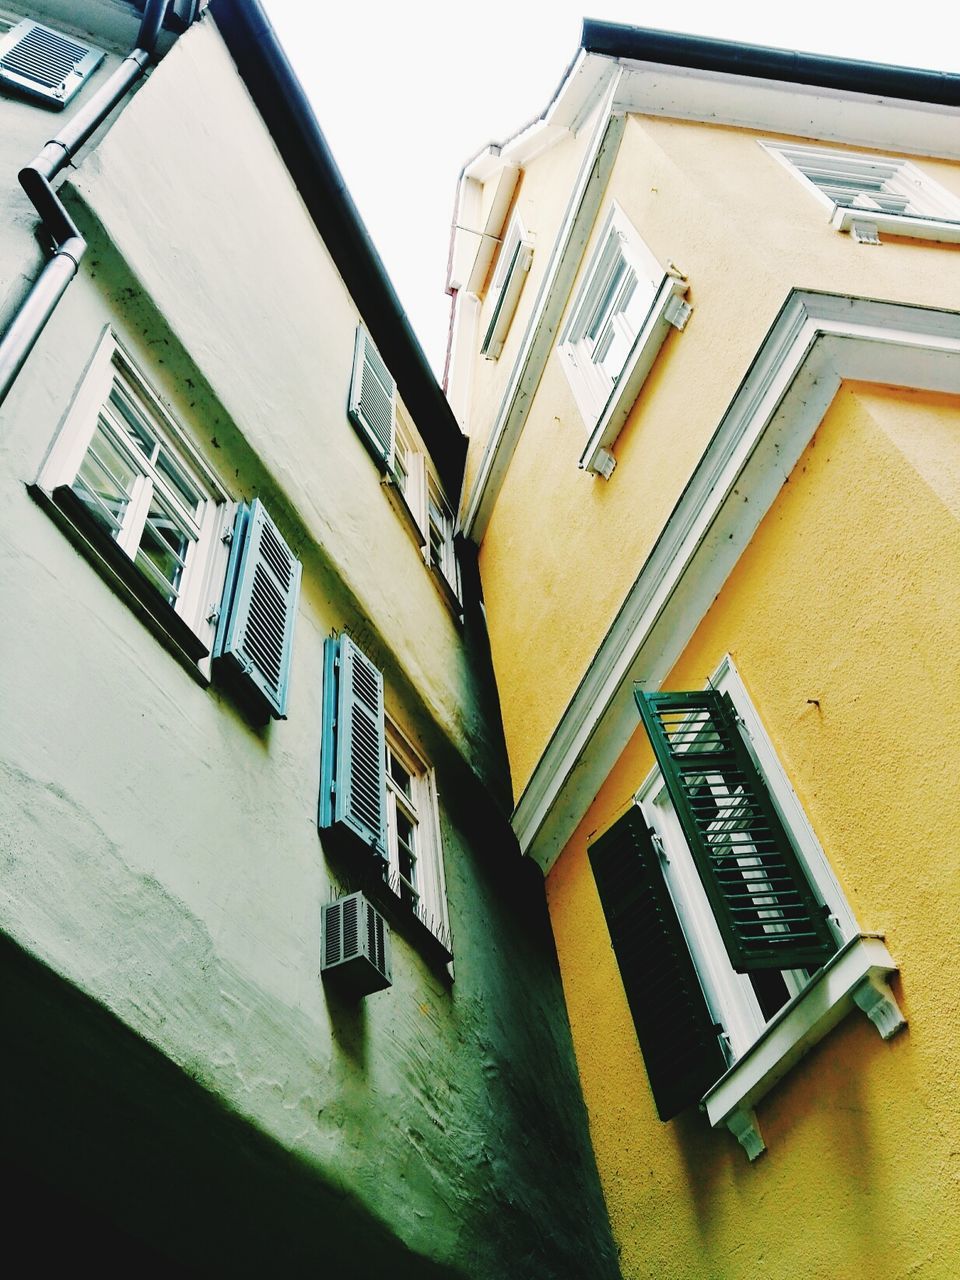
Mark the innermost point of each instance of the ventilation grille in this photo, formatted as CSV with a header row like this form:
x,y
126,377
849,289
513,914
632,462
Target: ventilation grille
x,y
44,64
355,946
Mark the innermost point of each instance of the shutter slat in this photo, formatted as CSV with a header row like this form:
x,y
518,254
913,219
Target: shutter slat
x,y
764,906
259,608
372,407
677,1036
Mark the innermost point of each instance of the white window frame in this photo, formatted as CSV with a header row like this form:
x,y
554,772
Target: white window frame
x,y
509,274
931,212
425,510
760,1050
112,372
638,327
422,808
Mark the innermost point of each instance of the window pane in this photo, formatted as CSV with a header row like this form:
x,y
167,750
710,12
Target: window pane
x,y
105,481
400,775
164,545
178,481
130,423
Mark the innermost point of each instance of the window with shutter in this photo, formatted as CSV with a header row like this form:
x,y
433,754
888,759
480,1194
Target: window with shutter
x,y
259,608
45,64
372,407
513,264
678,1036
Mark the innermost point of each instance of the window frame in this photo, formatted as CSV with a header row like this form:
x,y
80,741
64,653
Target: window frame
x,y
761,1049
509,274
935,217
604,399
112,371
430,889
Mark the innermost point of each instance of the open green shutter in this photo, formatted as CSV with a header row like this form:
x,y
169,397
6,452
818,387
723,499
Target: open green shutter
x,y
372,407
678,1038
768,916
259,608
353,769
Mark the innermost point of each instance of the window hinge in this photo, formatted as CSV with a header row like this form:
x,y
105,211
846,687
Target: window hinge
x,y
677,312
657,841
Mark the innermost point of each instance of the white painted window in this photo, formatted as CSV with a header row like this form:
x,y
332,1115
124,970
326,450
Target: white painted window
x,y
878,192
513,264
413,835
127,462
742,1003
618,321
430,515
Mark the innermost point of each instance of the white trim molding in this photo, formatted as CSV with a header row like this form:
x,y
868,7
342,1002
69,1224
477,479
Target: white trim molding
x,y
817,341
857,976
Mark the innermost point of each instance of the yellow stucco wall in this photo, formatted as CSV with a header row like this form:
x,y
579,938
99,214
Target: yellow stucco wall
x,y
745,232
849,593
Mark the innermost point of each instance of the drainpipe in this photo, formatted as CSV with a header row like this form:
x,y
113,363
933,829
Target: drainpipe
x,y
69,245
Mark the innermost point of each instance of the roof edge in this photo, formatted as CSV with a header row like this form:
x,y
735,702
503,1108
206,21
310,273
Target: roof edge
x,y
706,53
286,111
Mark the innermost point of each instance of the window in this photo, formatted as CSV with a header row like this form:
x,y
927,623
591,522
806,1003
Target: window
x,y
44,64
408,478
716,883
618,321
869,194
513,263
378,795
131,473
212,578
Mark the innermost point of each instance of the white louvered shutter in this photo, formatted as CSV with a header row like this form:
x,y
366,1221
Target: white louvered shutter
x,y
373,400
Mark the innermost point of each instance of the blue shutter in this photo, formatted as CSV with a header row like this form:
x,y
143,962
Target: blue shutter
x,y
259,608
372,400
353,763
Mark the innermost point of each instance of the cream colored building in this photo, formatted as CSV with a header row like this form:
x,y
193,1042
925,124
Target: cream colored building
x,y
707,352
234,609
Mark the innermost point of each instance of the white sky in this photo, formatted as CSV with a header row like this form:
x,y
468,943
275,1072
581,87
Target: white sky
x,y
407,92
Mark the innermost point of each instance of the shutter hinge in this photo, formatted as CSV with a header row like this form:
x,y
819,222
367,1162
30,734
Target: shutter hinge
x,y
227,536
214,614
677,312
657,841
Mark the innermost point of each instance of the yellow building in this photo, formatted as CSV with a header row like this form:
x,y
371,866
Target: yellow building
x,y
707,351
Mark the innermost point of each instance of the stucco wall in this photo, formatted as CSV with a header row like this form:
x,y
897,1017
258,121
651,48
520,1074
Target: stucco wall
x,y
745,232
848,594
161,853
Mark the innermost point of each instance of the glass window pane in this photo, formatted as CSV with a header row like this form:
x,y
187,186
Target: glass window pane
x,y
129,421
164,544
105,481
400,775
178,481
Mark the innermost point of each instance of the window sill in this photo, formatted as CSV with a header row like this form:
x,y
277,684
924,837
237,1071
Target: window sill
x,y
450,597
897,224
856,976
668,310
122,575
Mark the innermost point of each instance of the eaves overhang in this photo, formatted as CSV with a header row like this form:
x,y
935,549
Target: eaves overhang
x,y
286,111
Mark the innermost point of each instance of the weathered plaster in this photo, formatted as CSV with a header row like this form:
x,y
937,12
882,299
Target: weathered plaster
x,y
841,617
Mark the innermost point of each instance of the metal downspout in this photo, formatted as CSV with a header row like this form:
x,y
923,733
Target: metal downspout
x,y
69,245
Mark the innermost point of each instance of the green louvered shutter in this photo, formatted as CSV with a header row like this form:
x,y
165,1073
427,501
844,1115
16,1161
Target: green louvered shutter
x,y
372,406
353,768
678,1038
768,916
259,608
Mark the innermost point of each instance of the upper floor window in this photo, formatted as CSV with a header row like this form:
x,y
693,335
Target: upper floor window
x,y
618,321
213,577
513,264
867,194
45,64
735,943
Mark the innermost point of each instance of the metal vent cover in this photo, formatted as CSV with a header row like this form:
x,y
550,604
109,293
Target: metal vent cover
x,y
355,946
45,64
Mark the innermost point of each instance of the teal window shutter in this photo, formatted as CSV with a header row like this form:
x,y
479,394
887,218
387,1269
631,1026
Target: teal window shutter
x,y
259,608
372,407
766,911
353,751
678,1038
